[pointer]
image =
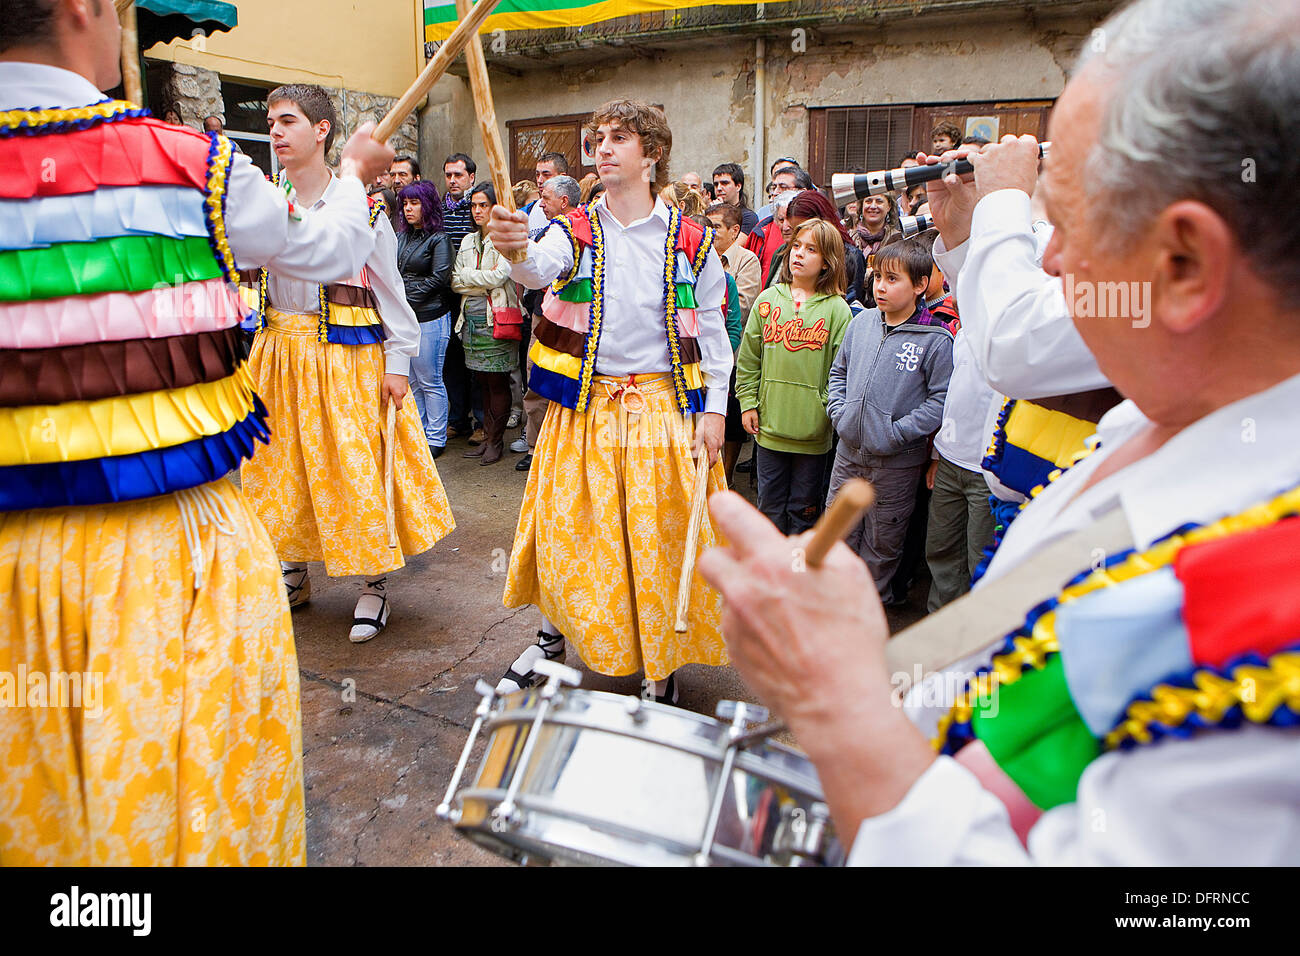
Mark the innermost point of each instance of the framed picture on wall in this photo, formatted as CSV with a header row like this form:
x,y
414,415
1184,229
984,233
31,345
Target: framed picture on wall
x,y
983,126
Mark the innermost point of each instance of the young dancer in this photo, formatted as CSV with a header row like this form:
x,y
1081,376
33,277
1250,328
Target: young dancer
x,y
159,721
633,354
327,359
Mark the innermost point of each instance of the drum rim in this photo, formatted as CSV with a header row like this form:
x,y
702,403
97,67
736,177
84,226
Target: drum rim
x,y
546,806
749,759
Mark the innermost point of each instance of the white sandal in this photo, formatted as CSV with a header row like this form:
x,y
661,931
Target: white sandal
x,y
300,593
364,628
545,643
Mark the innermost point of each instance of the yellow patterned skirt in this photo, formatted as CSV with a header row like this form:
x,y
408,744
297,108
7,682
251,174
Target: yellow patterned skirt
x,y
149,687
319,487
602,533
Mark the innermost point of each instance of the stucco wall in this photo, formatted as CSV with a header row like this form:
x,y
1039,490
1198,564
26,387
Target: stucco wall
x,y
447,125
334,43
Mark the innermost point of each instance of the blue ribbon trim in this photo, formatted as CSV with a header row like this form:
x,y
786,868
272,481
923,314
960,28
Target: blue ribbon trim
x,y
1004,512
1021,470
99,481
354,334
553,386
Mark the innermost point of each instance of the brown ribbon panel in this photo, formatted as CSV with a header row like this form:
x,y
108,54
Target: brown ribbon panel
x,y
108,369
573,343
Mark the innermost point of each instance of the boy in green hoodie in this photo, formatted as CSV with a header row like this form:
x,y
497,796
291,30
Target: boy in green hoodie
x,y
782,371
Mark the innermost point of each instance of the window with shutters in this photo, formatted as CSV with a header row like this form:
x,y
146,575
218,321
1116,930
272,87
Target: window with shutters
x,y
860,139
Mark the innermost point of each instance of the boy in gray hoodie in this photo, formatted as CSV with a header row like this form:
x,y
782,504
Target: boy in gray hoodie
x,y
887,389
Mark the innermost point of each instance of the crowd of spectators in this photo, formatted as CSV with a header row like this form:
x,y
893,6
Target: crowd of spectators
x,y
845,333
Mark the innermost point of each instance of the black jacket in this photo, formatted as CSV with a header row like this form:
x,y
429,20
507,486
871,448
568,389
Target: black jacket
x,y
424,259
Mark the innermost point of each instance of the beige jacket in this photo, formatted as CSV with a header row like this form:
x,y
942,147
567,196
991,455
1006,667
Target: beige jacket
x,y
489,277
747,270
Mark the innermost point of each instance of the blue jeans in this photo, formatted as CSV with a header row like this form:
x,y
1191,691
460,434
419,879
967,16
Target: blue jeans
x,y
426,379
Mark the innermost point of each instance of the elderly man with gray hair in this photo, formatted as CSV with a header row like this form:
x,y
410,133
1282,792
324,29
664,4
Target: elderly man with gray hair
x,y
1144,711
559,195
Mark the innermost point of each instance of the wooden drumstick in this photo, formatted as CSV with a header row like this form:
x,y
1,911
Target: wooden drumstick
x,y
390,442
855,497
692,539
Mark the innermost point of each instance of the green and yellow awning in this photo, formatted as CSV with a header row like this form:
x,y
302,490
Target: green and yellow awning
x,y
440,18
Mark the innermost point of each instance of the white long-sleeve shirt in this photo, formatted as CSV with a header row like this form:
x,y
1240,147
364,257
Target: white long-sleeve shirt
x,y
401,328
1019,324
633,340
1223,797
963,437
319,248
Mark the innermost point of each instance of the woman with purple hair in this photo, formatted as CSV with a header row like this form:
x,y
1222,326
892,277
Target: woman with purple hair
x,y
811,204
424,257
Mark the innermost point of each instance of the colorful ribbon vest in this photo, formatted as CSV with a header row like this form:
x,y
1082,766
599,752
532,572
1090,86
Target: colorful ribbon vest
x,y
123,358
1033,439
1034,443
566,341
348,311
1200,631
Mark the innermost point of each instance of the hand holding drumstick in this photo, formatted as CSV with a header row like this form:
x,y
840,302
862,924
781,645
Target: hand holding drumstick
x,y
805,628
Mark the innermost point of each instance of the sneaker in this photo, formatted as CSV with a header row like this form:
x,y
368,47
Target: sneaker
x,y
519,446
523,464
515,420
521,674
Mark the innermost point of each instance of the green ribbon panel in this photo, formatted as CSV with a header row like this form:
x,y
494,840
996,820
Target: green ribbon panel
x,y
1034,732
120,264
579,290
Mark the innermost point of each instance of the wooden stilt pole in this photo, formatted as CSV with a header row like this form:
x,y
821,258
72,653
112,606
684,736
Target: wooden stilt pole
x,y
134,91
487,122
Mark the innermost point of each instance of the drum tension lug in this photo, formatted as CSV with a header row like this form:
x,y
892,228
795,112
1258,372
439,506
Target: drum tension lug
x,y
488,695
506,813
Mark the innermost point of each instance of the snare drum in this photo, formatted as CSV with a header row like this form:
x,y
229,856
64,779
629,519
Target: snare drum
x,y
583,777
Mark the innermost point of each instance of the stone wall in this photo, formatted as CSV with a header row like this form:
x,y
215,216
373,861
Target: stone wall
x,y
355,108
448,125
196,94
193,92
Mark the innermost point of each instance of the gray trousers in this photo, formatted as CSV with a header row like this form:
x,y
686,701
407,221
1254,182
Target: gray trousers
x,y
961,526
878,537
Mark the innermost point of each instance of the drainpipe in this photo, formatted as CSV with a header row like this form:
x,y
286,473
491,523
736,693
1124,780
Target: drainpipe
x,y
760,120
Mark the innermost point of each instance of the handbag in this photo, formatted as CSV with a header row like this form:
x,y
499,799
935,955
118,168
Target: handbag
x,y
507,322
